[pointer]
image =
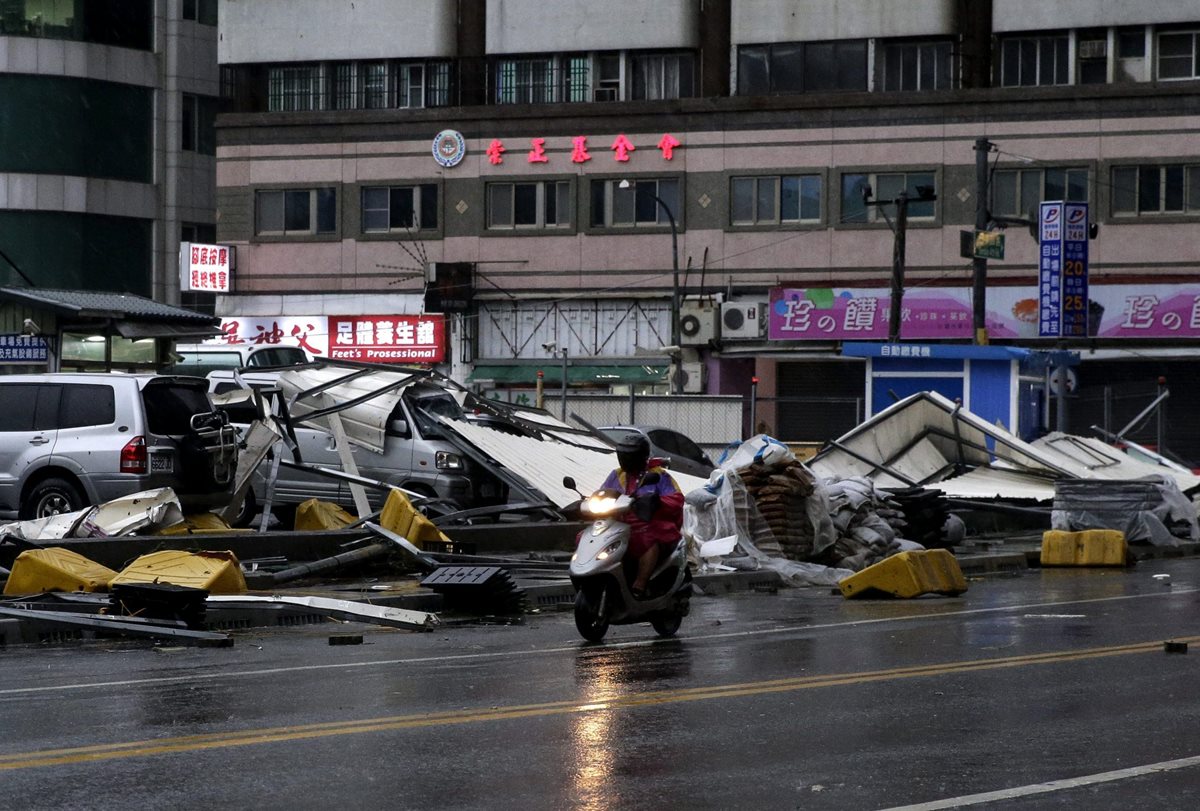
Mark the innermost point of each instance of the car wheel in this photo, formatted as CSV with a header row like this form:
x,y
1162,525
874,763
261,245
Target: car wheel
x,y
51,497
246,513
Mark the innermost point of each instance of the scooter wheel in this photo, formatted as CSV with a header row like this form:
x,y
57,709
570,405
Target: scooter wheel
x,y
666,624
588,621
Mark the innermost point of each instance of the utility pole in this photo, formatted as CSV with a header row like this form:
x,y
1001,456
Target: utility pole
x,y
898,256
925,194
979,280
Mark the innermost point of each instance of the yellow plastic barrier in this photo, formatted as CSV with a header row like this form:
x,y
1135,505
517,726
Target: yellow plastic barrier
x,y
56,569
908,574
1089,547
401,517
317,515
198,524
216,572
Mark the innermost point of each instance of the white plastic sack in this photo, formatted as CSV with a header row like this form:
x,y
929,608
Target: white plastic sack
x,y
759,448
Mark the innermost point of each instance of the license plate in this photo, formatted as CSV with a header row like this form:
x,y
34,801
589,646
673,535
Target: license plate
x,y
162,463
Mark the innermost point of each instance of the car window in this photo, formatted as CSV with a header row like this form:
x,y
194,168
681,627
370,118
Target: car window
x,y
170,406
87,404
15,413
688,448
439,404
278,356
202,362
664,439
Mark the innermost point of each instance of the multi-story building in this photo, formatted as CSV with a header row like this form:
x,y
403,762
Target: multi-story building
x,y
617,180
107,150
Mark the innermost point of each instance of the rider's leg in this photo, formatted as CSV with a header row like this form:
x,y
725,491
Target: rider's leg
x,y
646,564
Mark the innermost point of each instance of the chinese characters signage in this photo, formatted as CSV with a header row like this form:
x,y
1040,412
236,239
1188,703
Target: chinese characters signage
x,y
388,338
23,349
1112,311
535,149
205,268
823,314
1062,270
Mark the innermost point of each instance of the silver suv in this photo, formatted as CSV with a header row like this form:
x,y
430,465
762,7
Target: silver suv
x,y
70,440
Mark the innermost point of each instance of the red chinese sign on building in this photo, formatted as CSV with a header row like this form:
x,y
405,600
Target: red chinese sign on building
x,y
621,148
205,268
388,338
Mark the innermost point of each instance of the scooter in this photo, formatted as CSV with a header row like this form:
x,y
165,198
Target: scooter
x,y
602,576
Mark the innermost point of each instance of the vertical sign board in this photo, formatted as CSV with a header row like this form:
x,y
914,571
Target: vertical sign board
x,y
1075,270
205,268
1063,270
1050,270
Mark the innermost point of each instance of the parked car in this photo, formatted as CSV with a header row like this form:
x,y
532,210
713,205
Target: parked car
x,y
413,458
200,359
681,453
69,440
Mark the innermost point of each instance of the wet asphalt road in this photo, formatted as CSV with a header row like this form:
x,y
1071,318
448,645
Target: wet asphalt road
x,y
793,700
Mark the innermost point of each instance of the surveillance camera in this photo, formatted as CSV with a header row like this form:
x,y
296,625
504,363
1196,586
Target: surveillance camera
x,y
671,350
550,347
30,327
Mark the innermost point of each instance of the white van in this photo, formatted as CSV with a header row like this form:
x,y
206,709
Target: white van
x,y
412,458
200,359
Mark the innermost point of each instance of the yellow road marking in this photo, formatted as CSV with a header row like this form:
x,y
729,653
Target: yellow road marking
x,y
249,737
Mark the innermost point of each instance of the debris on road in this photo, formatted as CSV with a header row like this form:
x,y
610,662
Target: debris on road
x,y
907,575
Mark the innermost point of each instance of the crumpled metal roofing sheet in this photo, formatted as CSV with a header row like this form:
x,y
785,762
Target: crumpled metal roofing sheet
x,y
544,463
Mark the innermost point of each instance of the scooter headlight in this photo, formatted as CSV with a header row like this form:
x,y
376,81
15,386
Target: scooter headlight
x,y
600,505
608,550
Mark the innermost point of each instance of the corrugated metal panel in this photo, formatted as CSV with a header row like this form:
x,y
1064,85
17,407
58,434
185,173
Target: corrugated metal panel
x,y
710,421
365,423
586,329
543,464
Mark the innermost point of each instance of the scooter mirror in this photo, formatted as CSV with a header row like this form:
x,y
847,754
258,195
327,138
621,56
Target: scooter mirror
x,y
568,482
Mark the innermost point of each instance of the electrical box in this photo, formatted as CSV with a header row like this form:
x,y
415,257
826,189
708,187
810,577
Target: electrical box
x,y
698,321
690,377
743,319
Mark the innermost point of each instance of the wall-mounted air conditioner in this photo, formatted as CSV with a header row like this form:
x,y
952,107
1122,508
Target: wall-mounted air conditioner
x,y
698,322
688,377
743,319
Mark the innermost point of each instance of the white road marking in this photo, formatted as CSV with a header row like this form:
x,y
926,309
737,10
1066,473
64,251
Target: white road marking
x,y
457,657
1053,785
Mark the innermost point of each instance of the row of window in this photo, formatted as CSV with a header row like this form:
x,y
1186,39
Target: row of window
x,y
753,200
1085,56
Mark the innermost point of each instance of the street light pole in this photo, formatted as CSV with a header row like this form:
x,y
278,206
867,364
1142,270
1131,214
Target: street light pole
x,y
677,380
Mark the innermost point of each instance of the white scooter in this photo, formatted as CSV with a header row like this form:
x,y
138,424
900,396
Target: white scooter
x,y
602,576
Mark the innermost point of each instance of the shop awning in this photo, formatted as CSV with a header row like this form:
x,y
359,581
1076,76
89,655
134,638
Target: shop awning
x,y
578,374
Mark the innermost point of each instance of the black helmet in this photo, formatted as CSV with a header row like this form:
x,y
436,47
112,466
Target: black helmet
x,y
633,452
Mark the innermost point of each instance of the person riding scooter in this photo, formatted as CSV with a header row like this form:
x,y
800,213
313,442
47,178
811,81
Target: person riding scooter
x,y
657,514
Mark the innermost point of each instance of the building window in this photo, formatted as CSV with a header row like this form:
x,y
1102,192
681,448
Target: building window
x,y
1131,55
886,186
774,199
545,204
1030,61
1018,192
916,66
526,81
802,67
1179,55
661,76
399,208
201,11
1150,190
296,88
189,117
1092,51
613,206
360,86
197,124
295,211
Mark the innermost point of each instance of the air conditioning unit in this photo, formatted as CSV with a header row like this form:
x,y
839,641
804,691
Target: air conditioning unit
x,y
698,322
688,377
743,319
1093,48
